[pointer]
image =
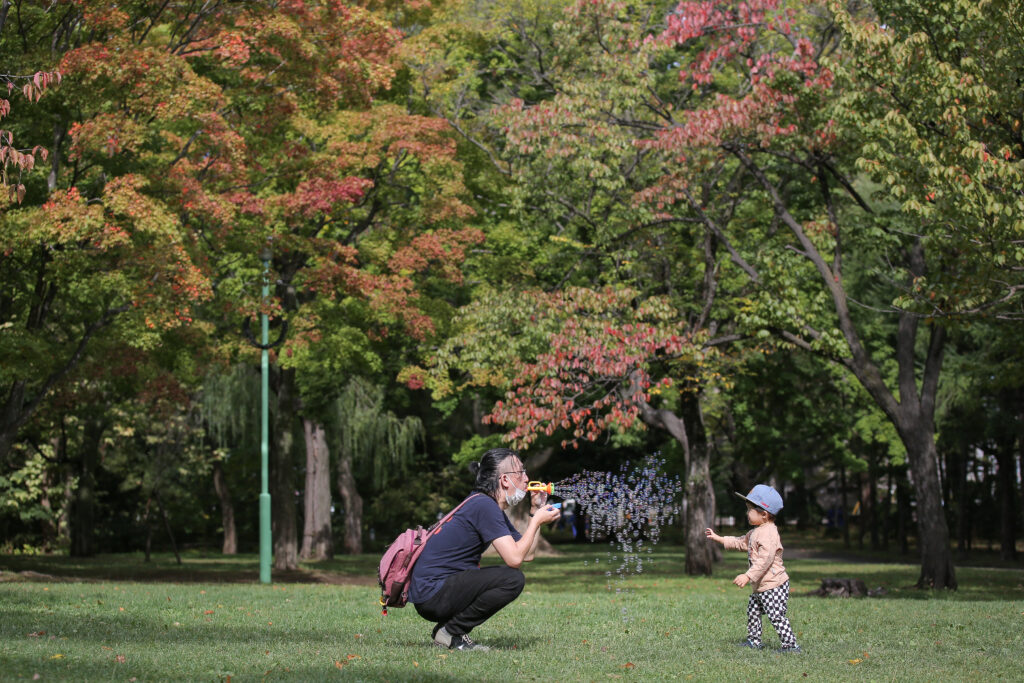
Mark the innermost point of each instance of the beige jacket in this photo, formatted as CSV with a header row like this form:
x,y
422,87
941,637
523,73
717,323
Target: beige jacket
x,y
764,556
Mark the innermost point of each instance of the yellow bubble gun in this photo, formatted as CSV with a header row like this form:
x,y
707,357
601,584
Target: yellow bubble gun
x,y
548,488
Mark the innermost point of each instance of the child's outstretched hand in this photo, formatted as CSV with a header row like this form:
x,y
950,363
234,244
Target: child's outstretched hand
x,y
710,533
741,580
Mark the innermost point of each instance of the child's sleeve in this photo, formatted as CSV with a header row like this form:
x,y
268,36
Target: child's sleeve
x,y
735,542
762,556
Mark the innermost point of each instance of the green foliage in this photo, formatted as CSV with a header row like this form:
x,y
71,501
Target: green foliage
x,y
473,447
23,490
372,437
939,130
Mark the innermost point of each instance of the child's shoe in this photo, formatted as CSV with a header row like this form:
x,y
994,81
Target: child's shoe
x,y
794,650
748,643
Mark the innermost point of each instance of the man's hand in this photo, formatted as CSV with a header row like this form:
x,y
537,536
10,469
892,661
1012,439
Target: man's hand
x,y
547,514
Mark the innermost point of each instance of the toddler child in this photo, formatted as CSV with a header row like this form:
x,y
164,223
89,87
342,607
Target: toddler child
x,y
765,572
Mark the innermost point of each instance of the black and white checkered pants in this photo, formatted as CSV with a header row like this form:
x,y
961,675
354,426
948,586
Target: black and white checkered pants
x,y
773,603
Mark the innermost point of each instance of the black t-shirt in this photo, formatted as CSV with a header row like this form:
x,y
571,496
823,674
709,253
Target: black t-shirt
x,y
458,544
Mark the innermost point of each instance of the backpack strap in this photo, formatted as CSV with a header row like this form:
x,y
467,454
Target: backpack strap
x,y
436,526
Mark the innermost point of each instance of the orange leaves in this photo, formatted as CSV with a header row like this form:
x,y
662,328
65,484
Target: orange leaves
x,y
231,48
106,135
595,375
443,248
768,104
339,664
323,196
333,50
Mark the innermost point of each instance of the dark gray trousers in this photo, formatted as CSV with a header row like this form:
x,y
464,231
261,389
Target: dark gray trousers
x,y
470,598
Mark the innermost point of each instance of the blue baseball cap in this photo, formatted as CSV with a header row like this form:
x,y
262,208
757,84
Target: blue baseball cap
x,y
764,497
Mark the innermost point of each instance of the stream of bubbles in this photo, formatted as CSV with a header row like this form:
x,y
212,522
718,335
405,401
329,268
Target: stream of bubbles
x,y
628,508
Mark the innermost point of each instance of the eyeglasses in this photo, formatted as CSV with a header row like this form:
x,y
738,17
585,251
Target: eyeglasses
x,y
515,472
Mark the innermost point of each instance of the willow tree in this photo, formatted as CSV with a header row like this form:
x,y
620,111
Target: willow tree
x,y
229,405
369,438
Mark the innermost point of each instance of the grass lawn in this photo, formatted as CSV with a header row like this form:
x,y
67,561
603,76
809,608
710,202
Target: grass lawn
x,y
210,620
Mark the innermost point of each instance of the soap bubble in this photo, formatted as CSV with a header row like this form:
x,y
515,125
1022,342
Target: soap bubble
x,y
629,508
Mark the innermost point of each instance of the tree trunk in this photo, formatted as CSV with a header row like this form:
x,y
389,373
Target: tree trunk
x,y
227,510
963,504
167,525
902,514
353,503
83,510
887,509
317,540
1006,485
519,514
844,506
699,501
917,382
282,494
149,530
11,418
50,525
700,493
932,529
863,510
1020,456
64,520
872,509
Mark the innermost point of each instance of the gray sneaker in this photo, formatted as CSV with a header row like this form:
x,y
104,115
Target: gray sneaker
x,y
748,643
456,642
794,650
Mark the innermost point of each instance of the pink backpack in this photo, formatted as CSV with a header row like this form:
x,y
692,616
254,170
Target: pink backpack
x,y
396,566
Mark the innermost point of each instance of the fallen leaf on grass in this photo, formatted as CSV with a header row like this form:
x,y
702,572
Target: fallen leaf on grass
x,y
415,663
104,647
120,659
36,634
351,657
628,665
209,611
120,609
338,664
57,657
855,661
36,677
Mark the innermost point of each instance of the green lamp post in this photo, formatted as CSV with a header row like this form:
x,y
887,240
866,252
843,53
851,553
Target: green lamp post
x,y
265,540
